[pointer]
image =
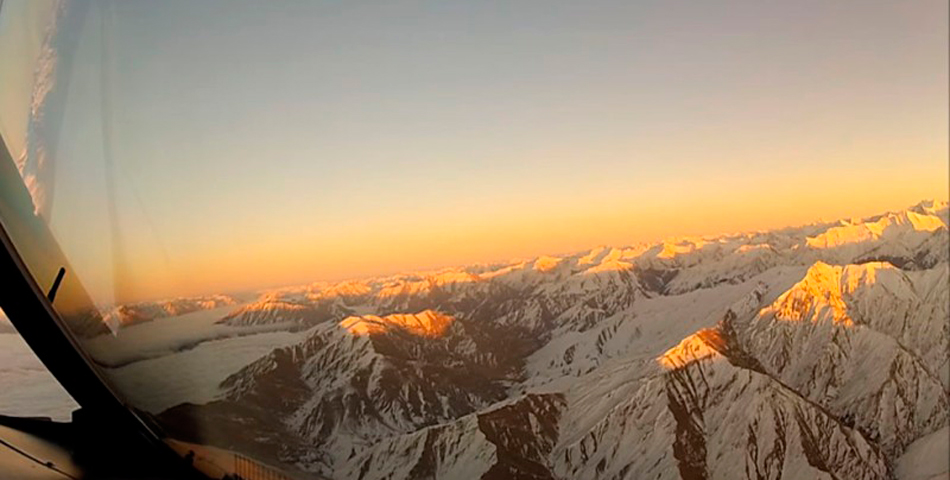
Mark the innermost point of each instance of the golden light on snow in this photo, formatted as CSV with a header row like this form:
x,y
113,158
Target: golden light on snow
x,y
822,292
821,288
675,247
857,231
400,285
608,265
545,263
698,346
427,323
818,297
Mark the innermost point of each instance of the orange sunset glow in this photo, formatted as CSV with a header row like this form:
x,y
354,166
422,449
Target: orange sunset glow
x,y
408,157
499,240
386,247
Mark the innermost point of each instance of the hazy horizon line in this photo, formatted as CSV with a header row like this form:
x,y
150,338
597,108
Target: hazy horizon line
x,y
512,260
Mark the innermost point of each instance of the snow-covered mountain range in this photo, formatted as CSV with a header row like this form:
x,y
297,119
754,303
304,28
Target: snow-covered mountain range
x,y
811,352
132,313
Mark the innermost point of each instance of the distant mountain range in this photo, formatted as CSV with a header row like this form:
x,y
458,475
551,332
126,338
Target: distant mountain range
x,y
811,352
132,313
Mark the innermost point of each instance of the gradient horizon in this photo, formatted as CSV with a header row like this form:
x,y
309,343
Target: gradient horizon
x,y
266,145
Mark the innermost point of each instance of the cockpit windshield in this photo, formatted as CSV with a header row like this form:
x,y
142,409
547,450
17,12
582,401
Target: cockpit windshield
x,y
490,240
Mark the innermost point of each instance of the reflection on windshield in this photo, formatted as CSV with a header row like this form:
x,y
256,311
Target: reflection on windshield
x,y
315,240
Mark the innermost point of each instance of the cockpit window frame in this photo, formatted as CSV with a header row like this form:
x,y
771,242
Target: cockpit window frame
x,y
26,305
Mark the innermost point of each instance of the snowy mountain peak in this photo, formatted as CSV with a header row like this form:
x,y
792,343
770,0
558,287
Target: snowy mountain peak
x,y
890,225
704,344
807,352
427,323
937,208
610,265
275,309
680,246
825,290
546,263
820,289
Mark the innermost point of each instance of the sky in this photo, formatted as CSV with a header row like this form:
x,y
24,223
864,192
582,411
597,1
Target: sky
x,y
260,144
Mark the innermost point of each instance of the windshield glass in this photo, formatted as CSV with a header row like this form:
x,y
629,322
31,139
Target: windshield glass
x,y
530,240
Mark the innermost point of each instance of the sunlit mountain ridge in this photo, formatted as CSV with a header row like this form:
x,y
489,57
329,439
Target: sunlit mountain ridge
x,y
665,267
890,237
754,355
